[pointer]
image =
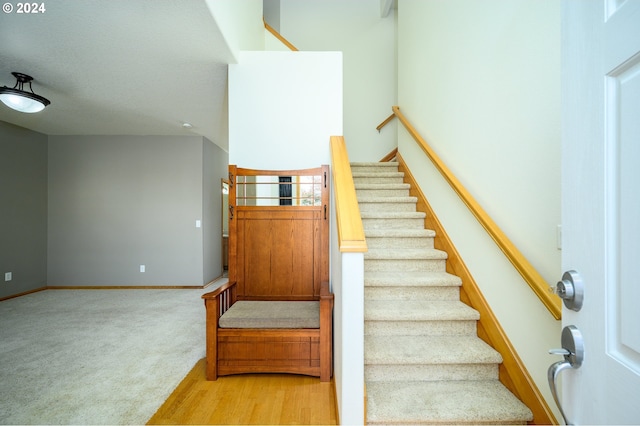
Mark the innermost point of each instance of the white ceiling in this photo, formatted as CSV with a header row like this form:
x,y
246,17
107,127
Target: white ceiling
x,y
119,67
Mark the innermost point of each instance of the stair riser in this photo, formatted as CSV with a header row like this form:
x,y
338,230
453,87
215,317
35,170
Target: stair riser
x,y
399,192
411,293
386,207
378,179
419,328
426,265
399,243
395,223
430,373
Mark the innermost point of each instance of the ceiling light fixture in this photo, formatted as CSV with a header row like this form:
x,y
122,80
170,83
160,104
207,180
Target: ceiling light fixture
x,y
21,100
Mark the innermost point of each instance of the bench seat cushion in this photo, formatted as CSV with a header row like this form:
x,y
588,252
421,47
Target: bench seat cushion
x,y
271,314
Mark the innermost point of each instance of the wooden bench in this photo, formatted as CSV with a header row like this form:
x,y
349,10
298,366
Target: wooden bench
x,y
275,315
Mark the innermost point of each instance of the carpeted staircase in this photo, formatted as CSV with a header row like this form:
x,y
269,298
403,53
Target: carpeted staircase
x,y
424,363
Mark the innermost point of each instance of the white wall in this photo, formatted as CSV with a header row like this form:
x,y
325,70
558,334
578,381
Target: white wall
x,y
240,22
480,81
272,43
349,339
347,280
283,107
367,41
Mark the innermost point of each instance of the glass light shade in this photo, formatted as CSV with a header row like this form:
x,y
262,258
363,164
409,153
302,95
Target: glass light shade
x,y
23,102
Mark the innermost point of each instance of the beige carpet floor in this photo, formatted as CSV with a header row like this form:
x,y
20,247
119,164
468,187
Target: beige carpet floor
x,y
96,356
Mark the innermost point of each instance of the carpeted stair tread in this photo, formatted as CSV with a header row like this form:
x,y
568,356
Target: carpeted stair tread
x,y
392,215
410,279
418,310
382,199
377,174
428,350
455,402
386,203
382,186
405,254
399,232
378,164
431,372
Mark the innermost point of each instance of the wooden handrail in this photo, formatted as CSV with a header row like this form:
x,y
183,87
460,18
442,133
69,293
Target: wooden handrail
x,y
390,156
279,37
350,231
517,259
385,122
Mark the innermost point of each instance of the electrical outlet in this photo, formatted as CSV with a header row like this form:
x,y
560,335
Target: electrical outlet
x,y
8,276
142,268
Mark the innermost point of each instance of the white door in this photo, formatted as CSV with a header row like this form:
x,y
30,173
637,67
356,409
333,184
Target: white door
x,y
601,205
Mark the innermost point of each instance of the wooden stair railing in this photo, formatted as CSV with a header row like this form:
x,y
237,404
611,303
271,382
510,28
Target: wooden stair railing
x,y
538,284
349,222
279,36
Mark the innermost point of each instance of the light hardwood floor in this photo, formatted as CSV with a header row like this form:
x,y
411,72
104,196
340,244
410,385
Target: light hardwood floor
x,y
248,399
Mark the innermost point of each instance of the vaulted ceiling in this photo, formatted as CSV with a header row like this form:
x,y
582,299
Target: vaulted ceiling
x,y
119,67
